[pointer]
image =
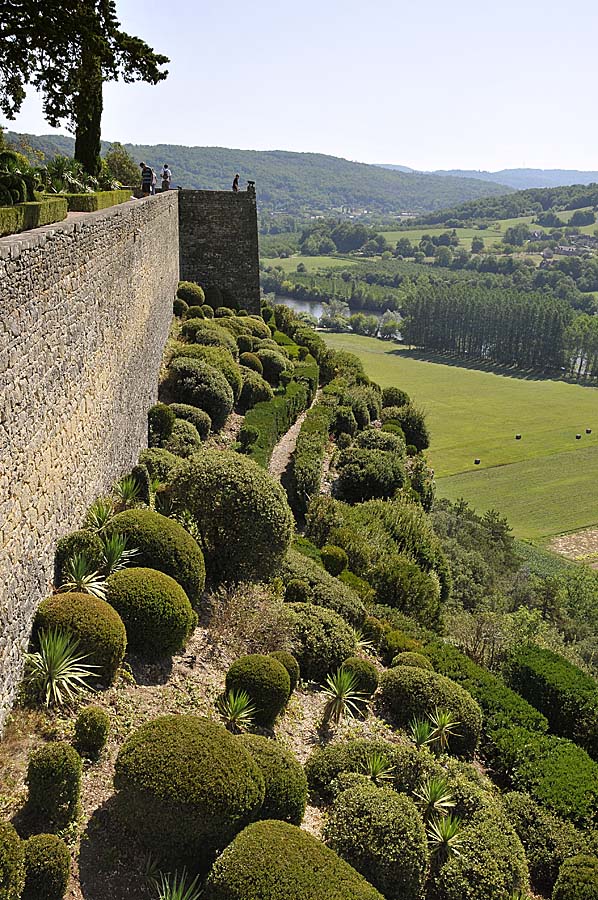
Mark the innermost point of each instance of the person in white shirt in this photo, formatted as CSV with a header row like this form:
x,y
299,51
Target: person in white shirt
x,y
166,177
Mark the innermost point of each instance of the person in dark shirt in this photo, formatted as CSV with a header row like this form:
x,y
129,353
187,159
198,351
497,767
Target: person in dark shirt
x,y
147,174
236,183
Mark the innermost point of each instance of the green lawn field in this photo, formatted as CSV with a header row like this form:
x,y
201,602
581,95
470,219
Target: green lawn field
x,y
311,263
546,483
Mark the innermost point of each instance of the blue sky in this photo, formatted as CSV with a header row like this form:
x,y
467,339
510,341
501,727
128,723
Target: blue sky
x,y
428,84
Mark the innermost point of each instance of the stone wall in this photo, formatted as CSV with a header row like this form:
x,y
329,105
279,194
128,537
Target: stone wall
x,y
85,308
219,243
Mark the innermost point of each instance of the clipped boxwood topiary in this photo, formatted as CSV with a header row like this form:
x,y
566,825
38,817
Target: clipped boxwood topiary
x,y
407,658
186,787
402,584
155,609
322,639
290,664
12,869
179,307
408,692
381,834
160,463
344,421
198,417
184,440
276,861
242,514
252,361
47,868
394,641
394,396
578,879
91,731
93,622
209,334
273,364
196,383
368,475
160,422
365,672
77,542
266,681
284,779
323,588
255,390
54,782
165,545
191,293
334,559
376,439
208,311
218,357
194,312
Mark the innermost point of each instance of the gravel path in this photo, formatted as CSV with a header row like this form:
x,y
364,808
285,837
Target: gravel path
x,y
284,448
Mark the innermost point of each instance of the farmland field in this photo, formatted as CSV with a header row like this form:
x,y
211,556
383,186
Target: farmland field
x,y
311,263
544,483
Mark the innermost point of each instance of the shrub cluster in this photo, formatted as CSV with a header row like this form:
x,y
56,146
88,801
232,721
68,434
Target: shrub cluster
x,y
255,390
91,731
209,334
322,639
160,422
334,559
400,583
284,779
12,867
307,458
394,396
47,868
412,422
251,361
219,358
191,293
198,417
578,879
54,782
184,439
375,439
319,587
266,681
196,383
368,474
159,463
412,658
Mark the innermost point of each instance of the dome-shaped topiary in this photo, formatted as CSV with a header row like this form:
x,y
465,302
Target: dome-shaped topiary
x,y
401,583
578,879
191,293
381,834
322,639
47,868
160,422
12,868
209,334
218,357
165,545
324,589
242,514
255,390
344,422
284,779
156,611
376,439
410,658
184,440
334,559
54,782
273,364
394,396
276,861
368,474
91,731
195,312
196,416
196,383
186,787
222,312
252,361
159,463
93,622
408,692
365,673
85,542
208,311
297,590
290,664
179,307
266,681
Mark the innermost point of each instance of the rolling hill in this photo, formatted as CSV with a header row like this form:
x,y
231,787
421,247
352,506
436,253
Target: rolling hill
x,y
518,179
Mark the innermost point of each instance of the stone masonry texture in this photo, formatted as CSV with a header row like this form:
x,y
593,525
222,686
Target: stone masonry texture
x,y
85,309
219,244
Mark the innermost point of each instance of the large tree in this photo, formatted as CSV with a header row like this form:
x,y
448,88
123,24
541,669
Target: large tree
x,y
67,51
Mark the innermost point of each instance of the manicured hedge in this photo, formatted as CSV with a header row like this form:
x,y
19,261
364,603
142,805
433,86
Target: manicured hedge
x,y
98,200
308,456
402,584
322,588
266,681
218,357
12,868
255,390
86,542
272,419
47,868
275,861
284,779
411,658
578,879
186,787
562,692
365,674
322,640
24,216
211,334
290,664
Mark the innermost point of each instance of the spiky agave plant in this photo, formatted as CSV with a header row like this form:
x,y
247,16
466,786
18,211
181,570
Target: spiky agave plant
x,y
236,710
344,701
81,576
116,556
362,643
444,728
434,797
444,836
377,768
57,672
99,514
178,886
126,492
421,732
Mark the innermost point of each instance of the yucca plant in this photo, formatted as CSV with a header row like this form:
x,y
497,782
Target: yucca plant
x,y
178,886
57,672
362,644
116,556
236,710
444,728
343,698
99,514
444,836
434,797
377,768
82,577
126,492
421,732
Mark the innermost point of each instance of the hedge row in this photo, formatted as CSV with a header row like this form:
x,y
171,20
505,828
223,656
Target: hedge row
x,y
272,419
308,456
24,216
96,201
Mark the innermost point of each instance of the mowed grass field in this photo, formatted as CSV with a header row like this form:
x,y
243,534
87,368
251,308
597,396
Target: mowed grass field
x,y
311,263
546,483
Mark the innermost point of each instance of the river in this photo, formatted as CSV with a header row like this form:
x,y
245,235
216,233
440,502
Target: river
x,y
314,307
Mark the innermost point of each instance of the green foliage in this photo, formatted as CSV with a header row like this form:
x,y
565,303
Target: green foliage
x,y
434,798
91,731
24,216
408,692
243,519
155,609
334,559
160,419
308,456
252,361
578,879
393,641
290,664
255,390
236,711
165,545
368,474
184,440
218,357
140,477
380,833
273,418
57,673
267,683
197,417
209,334
394,396
208,311
191,293
82,577
273,365
178,886
401,584
186,787
47,868
344,422
365,673
121,165
375,439
12,869
98,200
197,383
54,782
194,312
275,861
85,542
322,640
160,463
284,779
306,581
412,658
93,623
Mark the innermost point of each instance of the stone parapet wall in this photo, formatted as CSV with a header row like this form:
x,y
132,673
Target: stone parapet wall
x,y
85,309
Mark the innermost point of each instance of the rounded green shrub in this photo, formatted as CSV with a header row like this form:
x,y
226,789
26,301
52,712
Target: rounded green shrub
x,y
165,545
141,478
365,672
394,641
160,422
184,440
578,879
266,681
12,868
179,307
47,868
290,664
159,462
208,311
344,421
284,779
323,588
381,834
209,334
376,439
246,343
390,414
248,435
255,390
413,423
222,312
191,293
323,640
273,364
194,312
334,559
198,417
242,514
297,590
400,583
54,782
394,396
273,860
408,692
218,357
156,611
93,622
77,542
197,383
91,731
410,658
368,475
252,361
186,787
